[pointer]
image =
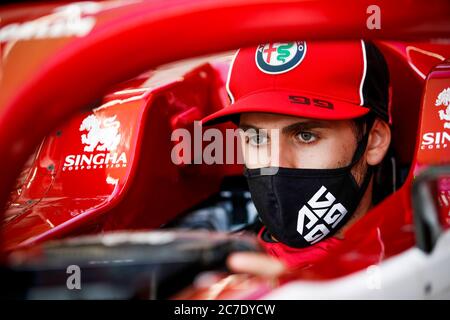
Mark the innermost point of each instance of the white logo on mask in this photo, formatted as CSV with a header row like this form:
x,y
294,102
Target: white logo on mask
x,y
322,215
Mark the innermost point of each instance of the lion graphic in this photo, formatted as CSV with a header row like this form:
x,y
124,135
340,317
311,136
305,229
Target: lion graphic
x,y
443,99
103,134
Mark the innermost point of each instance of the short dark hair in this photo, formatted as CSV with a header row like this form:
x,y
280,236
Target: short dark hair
x,y
363,124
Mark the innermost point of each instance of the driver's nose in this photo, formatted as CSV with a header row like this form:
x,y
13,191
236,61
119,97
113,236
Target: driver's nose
x,y
283,155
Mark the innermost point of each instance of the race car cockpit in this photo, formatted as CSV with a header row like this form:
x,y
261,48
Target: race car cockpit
x,y
107,189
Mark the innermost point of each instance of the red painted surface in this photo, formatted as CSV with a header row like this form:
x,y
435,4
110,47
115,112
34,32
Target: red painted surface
x,y
434,135
79,188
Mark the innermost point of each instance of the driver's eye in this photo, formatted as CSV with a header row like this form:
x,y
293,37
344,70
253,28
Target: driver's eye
x,y
257,140
306,137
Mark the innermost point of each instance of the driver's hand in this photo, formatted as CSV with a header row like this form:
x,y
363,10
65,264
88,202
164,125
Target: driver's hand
x,y
255,263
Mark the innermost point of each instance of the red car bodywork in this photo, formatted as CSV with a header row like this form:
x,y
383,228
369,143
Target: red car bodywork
x,y
52,93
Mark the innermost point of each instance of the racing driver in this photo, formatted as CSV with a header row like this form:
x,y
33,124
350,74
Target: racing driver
x,y
328,102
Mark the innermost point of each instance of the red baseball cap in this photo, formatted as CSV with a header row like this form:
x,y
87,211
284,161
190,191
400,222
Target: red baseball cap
x,y
320,80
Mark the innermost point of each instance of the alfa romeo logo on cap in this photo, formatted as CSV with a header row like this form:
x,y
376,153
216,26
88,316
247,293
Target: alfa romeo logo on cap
x,y
279,57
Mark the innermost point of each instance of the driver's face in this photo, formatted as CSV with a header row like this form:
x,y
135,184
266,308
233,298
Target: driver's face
x,y
302,142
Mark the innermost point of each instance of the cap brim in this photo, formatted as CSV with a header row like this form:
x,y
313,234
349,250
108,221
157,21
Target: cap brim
x,y
277,102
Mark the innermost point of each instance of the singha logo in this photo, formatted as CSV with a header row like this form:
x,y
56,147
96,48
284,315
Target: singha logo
x,y
103,134
443,99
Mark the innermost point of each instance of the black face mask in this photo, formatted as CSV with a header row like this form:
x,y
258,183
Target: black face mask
x,y
301,207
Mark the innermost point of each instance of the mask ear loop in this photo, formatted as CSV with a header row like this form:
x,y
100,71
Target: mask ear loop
x,y
362,144
360,149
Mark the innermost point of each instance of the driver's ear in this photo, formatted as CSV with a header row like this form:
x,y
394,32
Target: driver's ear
x,y
378,143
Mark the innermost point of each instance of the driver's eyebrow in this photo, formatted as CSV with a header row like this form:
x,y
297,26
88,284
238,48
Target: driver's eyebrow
x,y
301,125
244,127
305,125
